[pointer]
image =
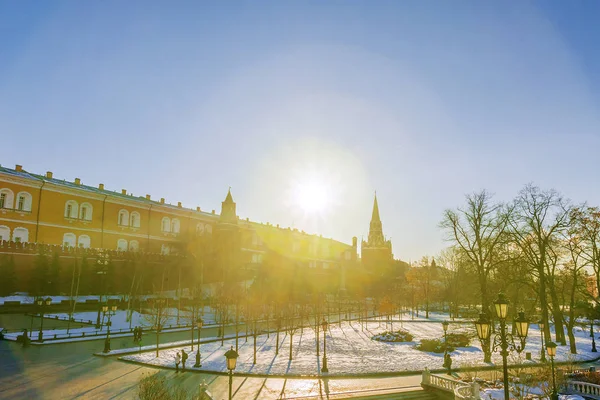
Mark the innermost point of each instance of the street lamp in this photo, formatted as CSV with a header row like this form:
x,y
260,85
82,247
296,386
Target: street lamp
x,y
592,330
446,357
324,326
42,304
542,352
503,341
110,311
199,325
102,262
551,348
231,355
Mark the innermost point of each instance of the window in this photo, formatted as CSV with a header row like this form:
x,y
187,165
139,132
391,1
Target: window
x,y
165,249
254,258
295,247
85,212
71,208
123,218
325,250
21,235
312,264
24,201
122,245
83,241
175,225
166,224
135,219
6,198
312,249
208,229
254,239
69,240
325,265
348,255
4,233
134,245
200,229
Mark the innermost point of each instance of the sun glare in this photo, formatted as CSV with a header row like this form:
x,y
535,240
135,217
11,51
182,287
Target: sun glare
x,y
312,196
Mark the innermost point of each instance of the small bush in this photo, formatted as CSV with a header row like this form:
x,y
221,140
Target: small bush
x,y
394,337
432,345
439,345
155,387
458,340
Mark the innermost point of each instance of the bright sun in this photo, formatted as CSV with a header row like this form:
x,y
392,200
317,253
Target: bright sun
x,y
312,196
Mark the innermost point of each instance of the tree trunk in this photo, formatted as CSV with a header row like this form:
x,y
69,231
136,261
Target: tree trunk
x,y
571,322
559,331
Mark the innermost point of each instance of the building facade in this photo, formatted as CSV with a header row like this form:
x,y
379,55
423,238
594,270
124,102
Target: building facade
x,y
44,210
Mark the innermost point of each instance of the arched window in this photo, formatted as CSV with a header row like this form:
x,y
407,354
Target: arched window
x,y
165,249
6,198
85,211
134,245
69,240
4,233
208,229
21,235
122,245
83,241
123,218
200,229
71,208
175,225
135,219
23,201
165,224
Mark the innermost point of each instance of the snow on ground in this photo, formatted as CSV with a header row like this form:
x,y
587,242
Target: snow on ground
x,y
350,350
119,323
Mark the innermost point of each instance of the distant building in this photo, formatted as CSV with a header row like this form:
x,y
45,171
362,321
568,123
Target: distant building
x,y
376,251
40,209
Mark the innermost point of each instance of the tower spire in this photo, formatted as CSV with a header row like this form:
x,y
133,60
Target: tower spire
x,y
228,208
375,215
375,227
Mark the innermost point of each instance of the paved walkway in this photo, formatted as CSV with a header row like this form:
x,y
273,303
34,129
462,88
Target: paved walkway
x,y
70,371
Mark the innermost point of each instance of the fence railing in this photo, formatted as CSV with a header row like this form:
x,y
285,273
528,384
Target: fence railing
x,y
584,388
460,390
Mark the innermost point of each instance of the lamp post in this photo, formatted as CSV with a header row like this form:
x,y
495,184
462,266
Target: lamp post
x,y
504,340
324,326
592,333
551,348
445,327
110,311
199,325
231,355
542,352
102,262
42,304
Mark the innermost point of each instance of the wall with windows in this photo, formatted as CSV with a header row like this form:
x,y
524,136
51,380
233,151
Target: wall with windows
x,y
83,217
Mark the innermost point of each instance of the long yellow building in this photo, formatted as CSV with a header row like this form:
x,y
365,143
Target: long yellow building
x,y
42,209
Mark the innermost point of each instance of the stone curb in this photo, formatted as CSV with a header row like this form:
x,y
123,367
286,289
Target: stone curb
x,y
369,375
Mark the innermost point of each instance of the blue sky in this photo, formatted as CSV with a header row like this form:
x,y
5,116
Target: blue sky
x,y
422,101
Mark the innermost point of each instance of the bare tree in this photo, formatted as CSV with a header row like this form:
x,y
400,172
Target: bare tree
x,y
156,317
478,230
538,217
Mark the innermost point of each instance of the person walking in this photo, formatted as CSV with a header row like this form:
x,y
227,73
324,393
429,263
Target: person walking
x,y
184,357
177,361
